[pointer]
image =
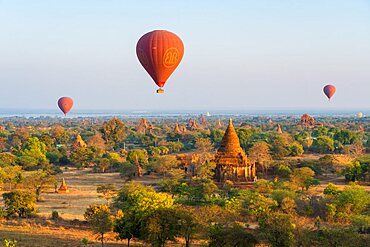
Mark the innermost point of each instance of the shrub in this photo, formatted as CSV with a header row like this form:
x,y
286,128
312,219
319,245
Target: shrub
x,y
55,215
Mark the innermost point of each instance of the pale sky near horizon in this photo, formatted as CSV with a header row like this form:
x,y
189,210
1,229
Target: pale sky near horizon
x,y
238,54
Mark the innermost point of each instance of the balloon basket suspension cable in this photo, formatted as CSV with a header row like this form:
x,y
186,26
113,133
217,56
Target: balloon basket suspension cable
x,y
160,90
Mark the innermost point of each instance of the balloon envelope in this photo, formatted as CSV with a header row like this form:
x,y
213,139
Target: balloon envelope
x,y
160,52
360,114
329,91
65,104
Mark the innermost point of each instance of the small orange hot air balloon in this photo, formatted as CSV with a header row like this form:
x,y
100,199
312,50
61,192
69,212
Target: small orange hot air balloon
x,y
329,91
160,52
65,104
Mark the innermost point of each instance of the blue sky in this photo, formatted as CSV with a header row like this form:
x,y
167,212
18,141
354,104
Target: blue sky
x,y
238,54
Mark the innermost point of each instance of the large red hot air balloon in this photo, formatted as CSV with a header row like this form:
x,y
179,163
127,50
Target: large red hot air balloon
x,y
160,52
65,104
329,91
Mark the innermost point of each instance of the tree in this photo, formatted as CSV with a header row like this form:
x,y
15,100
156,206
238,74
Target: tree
x,y
60,135
100,220
22,203
296,149
127,225
161,226
81,156
114,132
11,175
38,180
353,172
34,153
203,145
187,223
141,199
260,153
327,163
278,229
7,159
97,144
302,177
323,144
138,158
107,191
234,236
164,164
103,164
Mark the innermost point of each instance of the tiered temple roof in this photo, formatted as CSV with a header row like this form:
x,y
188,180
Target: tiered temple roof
x,y
231,161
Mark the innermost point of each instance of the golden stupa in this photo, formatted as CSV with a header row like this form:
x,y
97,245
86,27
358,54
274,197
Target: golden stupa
x,y
79,142
63,188
177,129
279,130
231,161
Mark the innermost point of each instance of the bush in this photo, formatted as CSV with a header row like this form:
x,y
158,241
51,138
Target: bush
x,y
55,215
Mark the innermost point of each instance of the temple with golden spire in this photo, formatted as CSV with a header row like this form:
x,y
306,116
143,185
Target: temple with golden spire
x,y
177,129
63,187
231,161
79,142
278,129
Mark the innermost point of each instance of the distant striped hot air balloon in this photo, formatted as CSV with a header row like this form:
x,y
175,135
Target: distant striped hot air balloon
x,y
329,91
65,104
160,52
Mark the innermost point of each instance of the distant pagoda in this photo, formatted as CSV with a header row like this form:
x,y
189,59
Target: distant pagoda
x,y
79,143
63,188
279,130
177,129
219,124
231,161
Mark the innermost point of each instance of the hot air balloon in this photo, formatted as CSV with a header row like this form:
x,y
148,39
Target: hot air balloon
x,y
329,91
160,52
65,104
359,114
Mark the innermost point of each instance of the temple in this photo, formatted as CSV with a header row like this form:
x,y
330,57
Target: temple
x,y
63,188
231,161
279,130
79,143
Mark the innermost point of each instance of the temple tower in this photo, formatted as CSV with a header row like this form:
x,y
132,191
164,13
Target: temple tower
x,y
231,161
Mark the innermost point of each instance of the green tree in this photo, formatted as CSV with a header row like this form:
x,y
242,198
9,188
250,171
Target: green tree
x,y
81,156
22,203
161,226
34,153
234,236
323,144
278,229
100,220
38,180
296,149
138,158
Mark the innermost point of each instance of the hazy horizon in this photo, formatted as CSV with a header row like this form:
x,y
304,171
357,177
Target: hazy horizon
x,y
246,55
